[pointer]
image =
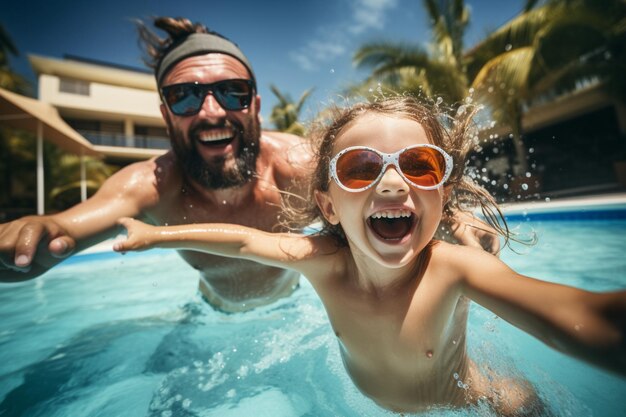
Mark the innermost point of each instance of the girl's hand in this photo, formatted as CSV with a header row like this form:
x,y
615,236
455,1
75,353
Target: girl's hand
x,y
141,236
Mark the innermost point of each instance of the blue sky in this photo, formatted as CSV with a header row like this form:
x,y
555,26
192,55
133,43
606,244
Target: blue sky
x,y
295,45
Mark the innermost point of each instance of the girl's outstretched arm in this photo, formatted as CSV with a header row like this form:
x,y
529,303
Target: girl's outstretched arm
x,y
590,326
283,250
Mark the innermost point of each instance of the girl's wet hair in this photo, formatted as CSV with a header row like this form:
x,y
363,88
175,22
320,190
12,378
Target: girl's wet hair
x,y
452,134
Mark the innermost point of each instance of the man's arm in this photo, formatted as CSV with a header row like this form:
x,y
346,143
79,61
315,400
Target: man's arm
x,y
31,245
586,325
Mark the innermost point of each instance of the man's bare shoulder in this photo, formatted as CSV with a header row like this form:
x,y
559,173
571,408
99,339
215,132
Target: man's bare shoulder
x,y
291,156
282,139
145,180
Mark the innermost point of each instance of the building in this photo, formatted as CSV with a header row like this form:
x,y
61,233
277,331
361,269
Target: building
x,y
576,145
114,107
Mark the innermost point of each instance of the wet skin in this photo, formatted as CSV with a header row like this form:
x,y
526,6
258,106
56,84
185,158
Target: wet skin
x,y
161,192
398,300
164,193
413,341
394,302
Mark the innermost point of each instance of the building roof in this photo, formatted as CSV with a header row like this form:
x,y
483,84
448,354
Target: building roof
x,y
89,70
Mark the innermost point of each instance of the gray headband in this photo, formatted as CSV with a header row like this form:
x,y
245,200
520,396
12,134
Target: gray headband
x,y
198,44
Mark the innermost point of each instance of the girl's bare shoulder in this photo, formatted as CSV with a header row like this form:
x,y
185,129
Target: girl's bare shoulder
x,y
457,258
325,257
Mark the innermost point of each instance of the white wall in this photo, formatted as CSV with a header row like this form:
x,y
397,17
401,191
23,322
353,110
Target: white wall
x,y
113,100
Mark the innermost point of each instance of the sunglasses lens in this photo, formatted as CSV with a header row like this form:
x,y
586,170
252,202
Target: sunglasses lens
x,y
233,94
358,168
187,99
423,166
183,99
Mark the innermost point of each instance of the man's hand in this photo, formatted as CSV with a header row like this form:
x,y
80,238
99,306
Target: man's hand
x,y
29,238
465,229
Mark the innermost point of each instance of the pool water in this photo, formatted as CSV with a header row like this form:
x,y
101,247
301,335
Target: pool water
x,y
112,335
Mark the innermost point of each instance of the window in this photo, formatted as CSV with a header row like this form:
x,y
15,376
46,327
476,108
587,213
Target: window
x,y
74,87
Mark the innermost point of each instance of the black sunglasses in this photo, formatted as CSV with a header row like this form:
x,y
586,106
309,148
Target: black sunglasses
x,y
186,99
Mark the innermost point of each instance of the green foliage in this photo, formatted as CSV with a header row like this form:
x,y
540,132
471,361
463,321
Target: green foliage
x,y
9,79
550,48
18,158
285,115
410,69
547,51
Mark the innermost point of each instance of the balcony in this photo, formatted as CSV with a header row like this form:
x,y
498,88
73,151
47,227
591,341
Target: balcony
x,y
121,140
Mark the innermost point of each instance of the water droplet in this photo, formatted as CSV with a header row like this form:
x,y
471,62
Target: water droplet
x,y
459,384
332,70
508,47
456,376
439,101
429,354
524,186
547,199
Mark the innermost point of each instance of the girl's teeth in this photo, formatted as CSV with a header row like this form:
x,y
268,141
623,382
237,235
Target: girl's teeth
x,y
395,214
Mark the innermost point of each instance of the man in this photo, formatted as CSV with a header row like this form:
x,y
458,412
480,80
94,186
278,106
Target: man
x,y
221,169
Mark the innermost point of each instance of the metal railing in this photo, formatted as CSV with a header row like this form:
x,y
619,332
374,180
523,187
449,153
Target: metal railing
x,y
121,140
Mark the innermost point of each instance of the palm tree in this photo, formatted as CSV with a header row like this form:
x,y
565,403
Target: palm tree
x,y
285,114
409,68
546,51
9,79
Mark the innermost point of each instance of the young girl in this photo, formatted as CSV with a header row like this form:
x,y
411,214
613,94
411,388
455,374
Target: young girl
x,y
397,299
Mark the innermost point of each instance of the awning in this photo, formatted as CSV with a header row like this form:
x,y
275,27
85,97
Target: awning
x,y
32,115
25,113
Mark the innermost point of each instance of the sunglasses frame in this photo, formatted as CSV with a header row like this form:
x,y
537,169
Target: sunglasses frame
x,y
391,159
206,89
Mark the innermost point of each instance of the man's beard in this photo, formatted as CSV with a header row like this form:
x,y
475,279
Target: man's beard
x,y
214,174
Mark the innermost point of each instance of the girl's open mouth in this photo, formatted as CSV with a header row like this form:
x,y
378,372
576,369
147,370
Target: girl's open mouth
x,y
392,225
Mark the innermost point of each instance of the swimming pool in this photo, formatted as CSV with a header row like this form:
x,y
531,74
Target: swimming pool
x,y
112,335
